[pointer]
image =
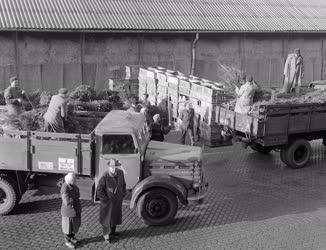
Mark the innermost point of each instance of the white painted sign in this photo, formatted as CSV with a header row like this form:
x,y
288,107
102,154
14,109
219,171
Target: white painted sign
x,y
66,164
45,165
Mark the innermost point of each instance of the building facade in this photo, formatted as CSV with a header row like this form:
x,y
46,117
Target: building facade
x,y
66,43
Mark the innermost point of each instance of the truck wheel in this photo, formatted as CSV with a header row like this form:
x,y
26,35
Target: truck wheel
x,y
259,148
157,207
8,195
297,154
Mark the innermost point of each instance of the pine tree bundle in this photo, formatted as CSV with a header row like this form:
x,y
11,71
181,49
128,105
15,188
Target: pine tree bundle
x,y
84,93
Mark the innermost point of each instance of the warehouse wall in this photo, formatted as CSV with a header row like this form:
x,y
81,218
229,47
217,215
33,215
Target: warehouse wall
x,y
53,60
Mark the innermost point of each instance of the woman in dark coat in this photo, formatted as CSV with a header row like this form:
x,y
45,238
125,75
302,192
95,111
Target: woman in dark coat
x,y
70,210
158,130
111,190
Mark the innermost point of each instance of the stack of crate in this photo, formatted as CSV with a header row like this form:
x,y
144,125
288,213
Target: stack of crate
x,y
151,83
162,85
127,83
212,95
131,79
173,92
142,79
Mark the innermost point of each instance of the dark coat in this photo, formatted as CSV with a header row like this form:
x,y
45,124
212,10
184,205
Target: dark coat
x,y
70,201
158,131
110,191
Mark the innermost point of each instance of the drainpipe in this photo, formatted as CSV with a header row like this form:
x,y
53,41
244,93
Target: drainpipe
x,y
193,55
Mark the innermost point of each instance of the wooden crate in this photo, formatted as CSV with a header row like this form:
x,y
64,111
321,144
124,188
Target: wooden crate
x,y
161,77
184,87
162,91
196,90
212,95
173,82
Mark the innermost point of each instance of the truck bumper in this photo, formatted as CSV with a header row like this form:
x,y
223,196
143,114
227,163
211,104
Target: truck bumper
x,y
200,195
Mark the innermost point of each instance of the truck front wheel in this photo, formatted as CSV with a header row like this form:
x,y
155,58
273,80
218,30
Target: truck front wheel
x,y
8,195
157,207
296,154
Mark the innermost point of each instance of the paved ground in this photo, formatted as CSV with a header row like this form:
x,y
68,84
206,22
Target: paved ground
x,y
254,202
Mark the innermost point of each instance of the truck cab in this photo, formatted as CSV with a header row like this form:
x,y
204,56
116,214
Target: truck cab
x,y
158,173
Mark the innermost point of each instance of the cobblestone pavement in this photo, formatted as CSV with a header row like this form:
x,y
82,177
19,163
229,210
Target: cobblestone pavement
x,y
254,202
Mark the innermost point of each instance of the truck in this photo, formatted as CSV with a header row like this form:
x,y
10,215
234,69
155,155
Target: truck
x,y
286,128
158,175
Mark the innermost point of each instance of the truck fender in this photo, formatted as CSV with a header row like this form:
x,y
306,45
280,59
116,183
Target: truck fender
x,y
160,181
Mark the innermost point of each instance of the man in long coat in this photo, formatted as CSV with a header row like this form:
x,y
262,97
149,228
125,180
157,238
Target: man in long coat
x,y
110,190
293,72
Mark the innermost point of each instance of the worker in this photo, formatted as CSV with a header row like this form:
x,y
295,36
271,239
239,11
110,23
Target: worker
x,y
157,129
145,112
14,97
134,106
293,72
57,111
245,95
145,103
186,117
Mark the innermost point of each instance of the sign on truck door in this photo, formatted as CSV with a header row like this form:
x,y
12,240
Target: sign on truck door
x,y
122,147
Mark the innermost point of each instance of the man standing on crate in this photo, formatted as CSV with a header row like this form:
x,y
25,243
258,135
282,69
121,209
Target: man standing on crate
x,y
57,111
14,96
293,72
186,117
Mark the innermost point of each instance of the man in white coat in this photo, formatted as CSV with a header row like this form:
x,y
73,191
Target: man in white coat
x,y
293,72
245,95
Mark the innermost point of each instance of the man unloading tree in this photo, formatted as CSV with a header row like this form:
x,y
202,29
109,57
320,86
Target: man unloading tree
x,y
245,95
14,97
56,112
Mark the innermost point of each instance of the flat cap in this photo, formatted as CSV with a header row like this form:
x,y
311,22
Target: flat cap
x,y
63,91
14,78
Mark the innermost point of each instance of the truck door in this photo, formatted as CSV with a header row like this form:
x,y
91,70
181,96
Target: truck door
x,y
122,147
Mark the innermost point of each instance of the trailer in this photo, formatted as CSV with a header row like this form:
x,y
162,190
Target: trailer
x,y
284,127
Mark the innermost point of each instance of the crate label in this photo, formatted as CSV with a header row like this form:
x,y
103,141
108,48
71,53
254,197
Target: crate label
x,y
45,165
66,164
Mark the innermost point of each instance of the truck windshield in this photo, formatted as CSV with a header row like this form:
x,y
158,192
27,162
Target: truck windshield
x,y
118,144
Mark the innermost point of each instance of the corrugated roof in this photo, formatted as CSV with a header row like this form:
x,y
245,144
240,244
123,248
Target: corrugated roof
x,y
164,15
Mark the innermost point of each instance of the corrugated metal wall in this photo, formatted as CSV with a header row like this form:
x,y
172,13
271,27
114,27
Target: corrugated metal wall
x,y
52,60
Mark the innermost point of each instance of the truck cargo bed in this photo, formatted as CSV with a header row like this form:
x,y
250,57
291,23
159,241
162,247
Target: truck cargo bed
x,y
275,123
46,152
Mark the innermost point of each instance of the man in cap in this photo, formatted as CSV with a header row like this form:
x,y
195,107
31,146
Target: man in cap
x,y
245,95
111,190
293,72
57,111
14,96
